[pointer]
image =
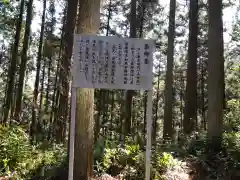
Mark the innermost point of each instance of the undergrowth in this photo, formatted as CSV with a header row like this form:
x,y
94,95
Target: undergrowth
x,y
128,160
21,160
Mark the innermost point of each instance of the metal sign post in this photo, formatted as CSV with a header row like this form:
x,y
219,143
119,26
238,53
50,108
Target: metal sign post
x,y
72,134
149,135
112,63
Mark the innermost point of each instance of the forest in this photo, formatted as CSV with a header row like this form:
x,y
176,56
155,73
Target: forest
x,y
196,91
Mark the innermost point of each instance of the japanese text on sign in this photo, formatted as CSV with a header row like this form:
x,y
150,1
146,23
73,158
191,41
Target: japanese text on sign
x,y
112,62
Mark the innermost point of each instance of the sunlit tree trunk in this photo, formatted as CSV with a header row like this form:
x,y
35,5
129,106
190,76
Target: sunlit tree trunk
x,y
88,22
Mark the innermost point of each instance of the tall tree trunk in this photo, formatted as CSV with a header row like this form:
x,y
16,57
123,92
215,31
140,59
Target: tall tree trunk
x,y
13,65
102,106
99,114
155,128
65,61
24,59
54,97
50,31
168,121
145,111
215,74
37,79
112,113
182,85
129,93
202,89
145,92
190,109
121,117
142,6
42,88
48,85
104,94
65,65
88,22
56,80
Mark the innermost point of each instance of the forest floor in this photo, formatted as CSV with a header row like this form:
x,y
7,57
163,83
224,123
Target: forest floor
x,y
193,169
198,169
181,172
187,169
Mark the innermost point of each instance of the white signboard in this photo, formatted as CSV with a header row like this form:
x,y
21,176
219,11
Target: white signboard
x,y
112,62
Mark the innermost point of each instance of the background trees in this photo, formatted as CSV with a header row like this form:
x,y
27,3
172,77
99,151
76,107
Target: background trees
x,y
193,76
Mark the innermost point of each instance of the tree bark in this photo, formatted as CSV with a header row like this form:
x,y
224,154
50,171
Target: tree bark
x,y
168,121
155,122
49,69
13,66
215,74
53,114
202,91
190,109
88,23
130,93
42,88
37,79
65,65
24,59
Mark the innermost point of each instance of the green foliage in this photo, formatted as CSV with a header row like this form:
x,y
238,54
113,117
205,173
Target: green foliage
x,y
232,118
24,160
232,146
165,160
129,160
14,148
8,12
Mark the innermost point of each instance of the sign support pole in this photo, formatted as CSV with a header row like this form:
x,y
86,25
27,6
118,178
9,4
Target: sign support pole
x,y
149,135
72,134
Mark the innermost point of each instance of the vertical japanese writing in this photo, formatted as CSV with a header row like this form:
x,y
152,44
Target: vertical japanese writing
x,y
132,64
138,67
106,63
86,60
113,68
125,63
80,57
146,54
101,59
112,62
94,61
120,54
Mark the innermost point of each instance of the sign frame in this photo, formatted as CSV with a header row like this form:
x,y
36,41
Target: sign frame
x,y
73,119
